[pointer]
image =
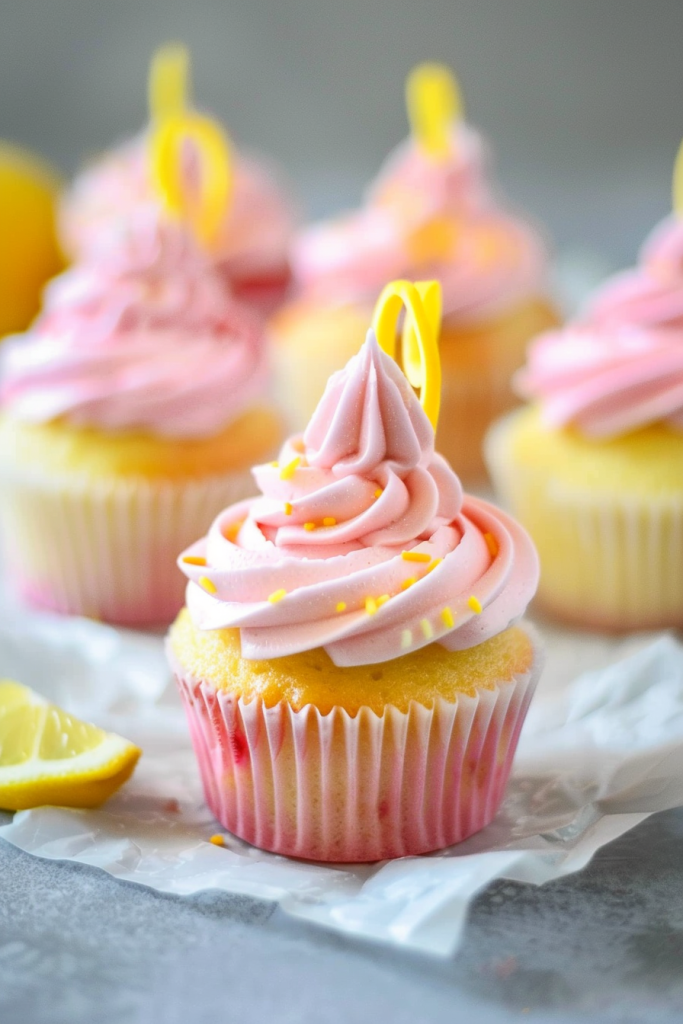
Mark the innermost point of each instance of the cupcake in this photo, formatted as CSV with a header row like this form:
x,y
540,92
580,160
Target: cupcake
x,y
250,246
130,414
350,658
431,213
594,465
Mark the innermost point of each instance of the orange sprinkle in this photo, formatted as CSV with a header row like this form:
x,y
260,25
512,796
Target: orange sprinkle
x,y
208,585
288,471
475,604
379,492
491,544
217,840
434,563
309,526
370,605
415,556
426,627
329,521
408,582
276,596
447,618
341,606
288,508
194,560
232,530
382,600
298,445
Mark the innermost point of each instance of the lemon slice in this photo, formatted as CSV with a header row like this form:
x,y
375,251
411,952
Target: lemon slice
x,y
50,757
29,250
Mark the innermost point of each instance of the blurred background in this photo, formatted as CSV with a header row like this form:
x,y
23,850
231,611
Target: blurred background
x,y
582,99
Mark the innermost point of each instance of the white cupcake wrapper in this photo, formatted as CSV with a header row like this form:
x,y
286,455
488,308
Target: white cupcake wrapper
x,y
610,562
107,549
364,788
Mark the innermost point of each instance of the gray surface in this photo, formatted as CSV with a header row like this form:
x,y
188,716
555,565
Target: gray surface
x,y
605,945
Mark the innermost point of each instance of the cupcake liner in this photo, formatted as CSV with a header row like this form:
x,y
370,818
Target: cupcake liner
x,y
348,788
607,561
107,549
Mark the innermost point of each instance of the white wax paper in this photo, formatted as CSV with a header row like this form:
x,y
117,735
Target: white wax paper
x,y
596,757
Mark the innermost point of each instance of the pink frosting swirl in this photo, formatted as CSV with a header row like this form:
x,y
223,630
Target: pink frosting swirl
x,y
620,367
429,219
254,238
319,559
143,336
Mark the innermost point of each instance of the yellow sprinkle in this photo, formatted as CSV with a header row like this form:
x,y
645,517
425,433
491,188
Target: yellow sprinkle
x,y
447,618
309,526
408,583
406,638
416,556
329,521
434,563
288,508
475,604
275,464
379,492
276,596
287,472
341,606
370,605
426,627
217,840
382,600
209,585
491,544
194,560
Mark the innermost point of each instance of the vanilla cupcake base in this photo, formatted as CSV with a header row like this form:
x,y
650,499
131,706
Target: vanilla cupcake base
x,y
92,522
107,549
345,787
611,552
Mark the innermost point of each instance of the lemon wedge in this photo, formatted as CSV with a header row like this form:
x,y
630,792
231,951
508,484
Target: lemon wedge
x,y
50,757
29,250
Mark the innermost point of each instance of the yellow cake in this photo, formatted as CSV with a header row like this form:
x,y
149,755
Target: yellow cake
x,y
350,660
427,676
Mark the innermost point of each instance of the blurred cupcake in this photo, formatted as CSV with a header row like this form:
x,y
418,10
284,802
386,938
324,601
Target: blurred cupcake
x,y
431,213
250,247
350,658
594,468
130,414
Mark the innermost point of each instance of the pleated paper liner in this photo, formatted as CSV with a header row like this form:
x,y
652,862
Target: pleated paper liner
x,y
363,788
607,561
108,549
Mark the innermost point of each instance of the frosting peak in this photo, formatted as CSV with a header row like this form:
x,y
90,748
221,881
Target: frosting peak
x,y
427,218
361,540
367,422
254,236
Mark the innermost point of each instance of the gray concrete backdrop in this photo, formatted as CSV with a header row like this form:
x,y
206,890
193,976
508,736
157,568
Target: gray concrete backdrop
x,y
583,98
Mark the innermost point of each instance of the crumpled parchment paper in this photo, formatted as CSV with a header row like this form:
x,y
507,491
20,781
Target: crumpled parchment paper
x,y
597,755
